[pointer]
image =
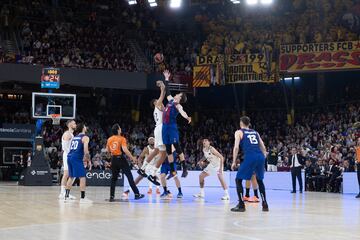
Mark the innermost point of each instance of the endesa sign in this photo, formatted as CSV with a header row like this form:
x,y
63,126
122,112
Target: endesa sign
x,y
102,178
314,57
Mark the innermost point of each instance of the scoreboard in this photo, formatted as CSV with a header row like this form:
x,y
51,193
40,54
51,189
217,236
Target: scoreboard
x,y
50,78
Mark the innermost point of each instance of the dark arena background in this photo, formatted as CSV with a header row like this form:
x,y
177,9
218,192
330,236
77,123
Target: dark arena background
x,y
291,66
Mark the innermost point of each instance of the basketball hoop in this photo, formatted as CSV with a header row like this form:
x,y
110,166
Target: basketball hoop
x,y
55,119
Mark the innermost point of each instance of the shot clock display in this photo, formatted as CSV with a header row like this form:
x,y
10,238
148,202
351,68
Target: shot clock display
x,y
50,78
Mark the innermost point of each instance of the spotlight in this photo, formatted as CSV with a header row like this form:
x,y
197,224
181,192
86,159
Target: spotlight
x,y
252,2
132,2
235,1
152,3
175,3
266,2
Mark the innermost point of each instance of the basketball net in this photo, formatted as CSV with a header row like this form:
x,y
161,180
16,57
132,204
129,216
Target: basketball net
x,y
55,119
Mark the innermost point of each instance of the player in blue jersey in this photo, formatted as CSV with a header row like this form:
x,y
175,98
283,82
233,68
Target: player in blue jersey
x,y
254,161
170,132
78,157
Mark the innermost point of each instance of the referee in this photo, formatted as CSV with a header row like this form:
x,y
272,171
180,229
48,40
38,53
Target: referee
x,y
116,146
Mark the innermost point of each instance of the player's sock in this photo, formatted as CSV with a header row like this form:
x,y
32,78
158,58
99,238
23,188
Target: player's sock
x,y
183,165
247,192
67,193
262,190
82,194
165,189
202,191
62,190
240,191
145,163
256,193
179,189
226,192
172,167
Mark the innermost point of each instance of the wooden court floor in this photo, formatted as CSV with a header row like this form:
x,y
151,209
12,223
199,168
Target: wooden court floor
x,y
30,213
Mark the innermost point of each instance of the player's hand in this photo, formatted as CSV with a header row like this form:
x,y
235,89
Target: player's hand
x,y
233,166
166,75
160,84
189,120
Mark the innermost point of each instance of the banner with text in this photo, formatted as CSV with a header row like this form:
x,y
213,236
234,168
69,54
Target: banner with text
x,y
312,57
243,68
201,76
252,72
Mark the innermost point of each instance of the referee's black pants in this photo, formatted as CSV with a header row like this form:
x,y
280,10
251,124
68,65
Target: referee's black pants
x,y
120,163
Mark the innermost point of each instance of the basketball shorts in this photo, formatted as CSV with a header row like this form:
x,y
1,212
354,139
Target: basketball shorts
x,y
170,134
76,168
254,163
212,169
159,138
165,167
65,161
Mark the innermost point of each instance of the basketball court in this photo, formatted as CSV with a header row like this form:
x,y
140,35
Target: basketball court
x,y
35,213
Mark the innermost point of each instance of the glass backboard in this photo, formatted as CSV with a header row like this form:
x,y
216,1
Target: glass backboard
x,y
46,104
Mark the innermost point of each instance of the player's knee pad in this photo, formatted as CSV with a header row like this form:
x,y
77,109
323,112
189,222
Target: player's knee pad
x,y
261,184
178,148
168,149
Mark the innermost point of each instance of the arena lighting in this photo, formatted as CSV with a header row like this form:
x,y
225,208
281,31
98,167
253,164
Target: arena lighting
x,y
175,3
266,2
290,78
235,1
152,3
252,2
132,2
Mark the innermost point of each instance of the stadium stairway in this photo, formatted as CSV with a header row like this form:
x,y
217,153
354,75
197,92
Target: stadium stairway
x,y
141,61
10,46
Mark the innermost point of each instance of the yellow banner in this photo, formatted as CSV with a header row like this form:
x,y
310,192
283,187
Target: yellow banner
x,y
254,72
201,76
313,57
230,59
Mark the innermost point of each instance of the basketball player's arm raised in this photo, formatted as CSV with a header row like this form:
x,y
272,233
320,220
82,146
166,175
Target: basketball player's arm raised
x,y
183,113
238,137
217,154
167,77
159,101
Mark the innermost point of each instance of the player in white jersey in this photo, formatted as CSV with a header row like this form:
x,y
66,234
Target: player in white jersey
x,y
160,149
65,145
149,168
215,166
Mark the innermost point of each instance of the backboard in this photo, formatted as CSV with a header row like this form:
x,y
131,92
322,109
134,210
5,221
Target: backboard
x,y
46,104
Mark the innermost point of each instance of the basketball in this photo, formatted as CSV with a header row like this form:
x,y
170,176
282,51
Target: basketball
x,y
159,58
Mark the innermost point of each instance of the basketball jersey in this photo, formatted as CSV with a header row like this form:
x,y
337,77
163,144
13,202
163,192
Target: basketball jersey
x,y
158,117
77,147
357,149
65,144
250,142
170,113
210,157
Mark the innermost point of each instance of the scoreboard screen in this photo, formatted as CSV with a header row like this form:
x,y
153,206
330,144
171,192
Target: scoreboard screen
x,y
50,78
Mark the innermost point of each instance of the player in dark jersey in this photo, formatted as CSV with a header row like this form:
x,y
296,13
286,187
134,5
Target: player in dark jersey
x,y
78,157
170,132
254,161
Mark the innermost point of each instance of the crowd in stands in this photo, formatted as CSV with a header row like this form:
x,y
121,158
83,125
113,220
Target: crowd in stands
x,y
246,30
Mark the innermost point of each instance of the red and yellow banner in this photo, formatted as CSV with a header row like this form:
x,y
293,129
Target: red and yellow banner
x,y
201,76
312,57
